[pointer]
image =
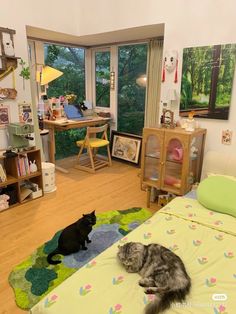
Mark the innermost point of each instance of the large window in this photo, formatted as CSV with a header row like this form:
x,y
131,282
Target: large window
x,y
132,61
102,78
71,61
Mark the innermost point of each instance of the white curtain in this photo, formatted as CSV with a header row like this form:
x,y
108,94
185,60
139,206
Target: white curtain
x,y
154,68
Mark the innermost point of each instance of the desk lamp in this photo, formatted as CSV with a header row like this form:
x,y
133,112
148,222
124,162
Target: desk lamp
x,y
47,74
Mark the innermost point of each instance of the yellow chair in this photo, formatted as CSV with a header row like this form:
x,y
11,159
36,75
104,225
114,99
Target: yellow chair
x,y
91,161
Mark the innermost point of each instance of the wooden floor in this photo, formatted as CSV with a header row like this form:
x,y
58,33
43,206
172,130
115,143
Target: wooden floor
x,y
24,228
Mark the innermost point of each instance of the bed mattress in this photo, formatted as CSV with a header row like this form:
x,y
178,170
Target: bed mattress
x,y
206,242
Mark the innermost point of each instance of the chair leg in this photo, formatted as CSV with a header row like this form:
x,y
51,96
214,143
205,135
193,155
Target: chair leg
x,y
91,158
95,152
80,151
109,156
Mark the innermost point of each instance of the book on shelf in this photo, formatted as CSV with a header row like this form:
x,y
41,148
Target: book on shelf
x,y
23,168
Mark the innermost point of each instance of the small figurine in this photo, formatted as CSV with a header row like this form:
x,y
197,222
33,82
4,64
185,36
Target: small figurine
x,y
190,122
33,167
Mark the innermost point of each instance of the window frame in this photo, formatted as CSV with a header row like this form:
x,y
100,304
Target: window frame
x,y
93,77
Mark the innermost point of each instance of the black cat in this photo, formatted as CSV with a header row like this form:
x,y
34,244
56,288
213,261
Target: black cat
x,y
73,237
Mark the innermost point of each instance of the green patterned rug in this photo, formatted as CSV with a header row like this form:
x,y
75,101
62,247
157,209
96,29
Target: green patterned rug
x,y
34,278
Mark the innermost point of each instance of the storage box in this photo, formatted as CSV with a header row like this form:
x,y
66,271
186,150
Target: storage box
x,y
36,194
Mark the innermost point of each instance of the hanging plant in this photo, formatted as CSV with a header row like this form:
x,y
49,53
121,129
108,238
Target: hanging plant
x,y
25,72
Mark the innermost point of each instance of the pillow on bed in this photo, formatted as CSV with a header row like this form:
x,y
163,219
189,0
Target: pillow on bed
x,y
218,193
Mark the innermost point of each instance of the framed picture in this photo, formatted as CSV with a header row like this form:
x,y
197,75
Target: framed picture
x,y
4,115
207,81
25,112
226,137
126,147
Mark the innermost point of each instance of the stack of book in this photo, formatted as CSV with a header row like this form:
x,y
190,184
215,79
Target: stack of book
x,y
23,168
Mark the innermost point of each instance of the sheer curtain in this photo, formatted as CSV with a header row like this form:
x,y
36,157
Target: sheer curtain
x,y
155,52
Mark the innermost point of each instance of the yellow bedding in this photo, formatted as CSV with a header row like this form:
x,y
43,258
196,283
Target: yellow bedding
x,y
206,242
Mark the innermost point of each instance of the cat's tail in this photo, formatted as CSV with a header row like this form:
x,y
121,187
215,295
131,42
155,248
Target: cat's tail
x,y
50,255
163,301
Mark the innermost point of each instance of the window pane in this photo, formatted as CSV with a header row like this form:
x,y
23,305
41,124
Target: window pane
x,y
102,65
70,61
131,88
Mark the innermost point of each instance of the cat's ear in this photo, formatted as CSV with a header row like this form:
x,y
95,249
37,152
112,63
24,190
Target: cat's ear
x,y
93,212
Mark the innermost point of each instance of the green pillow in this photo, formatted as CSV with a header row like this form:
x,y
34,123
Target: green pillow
x,y
218,193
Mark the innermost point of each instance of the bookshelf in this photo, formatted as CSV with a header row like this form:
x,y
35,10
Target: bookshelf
x,y
21,184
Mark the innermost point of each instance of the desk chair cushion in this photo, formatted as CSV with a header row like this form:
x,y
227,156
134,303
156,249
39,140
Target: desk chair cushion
x,y
93,142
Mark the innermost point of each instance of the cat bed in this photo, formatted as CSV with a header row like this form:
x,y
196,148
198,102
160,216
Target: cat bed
x,y
218,194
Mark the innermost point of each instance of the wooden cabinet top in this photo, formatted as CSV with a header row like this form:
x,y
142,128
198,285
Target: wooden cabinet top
x,y
176,130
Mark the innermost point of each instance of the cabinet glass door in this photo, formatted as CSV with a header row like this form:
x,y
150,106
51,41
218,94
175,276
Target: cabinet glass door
x,y
173,164
195,159
152,159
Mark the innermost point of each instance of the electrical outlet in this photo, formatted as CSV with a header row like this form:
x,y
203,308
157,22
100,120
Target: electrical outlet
x,y
226,138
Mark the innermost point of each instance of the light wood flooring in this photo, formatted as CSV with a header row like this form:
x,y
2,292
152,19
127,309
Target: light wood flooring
x,y
25,227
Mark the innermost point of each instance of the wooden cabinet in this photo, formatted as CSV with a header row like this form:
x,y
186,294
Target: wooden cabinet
x,y
20,180
171,159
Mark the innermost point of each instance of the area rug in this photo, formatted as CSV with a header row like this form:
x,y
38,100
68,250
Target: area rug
x,y
34,278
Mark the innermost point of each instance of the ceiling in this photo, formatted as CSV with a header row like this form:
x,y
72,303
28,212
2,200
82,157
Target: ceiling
x,y
119,36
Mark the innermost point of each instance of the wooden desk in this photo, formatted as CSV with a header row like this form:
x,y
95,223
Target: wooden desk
x,y
57,125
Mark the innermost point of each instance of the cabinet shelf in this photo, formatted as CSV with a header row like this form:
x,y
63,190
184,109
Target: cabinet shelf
x,y
10,180
29,176
152,156
174,161
151,182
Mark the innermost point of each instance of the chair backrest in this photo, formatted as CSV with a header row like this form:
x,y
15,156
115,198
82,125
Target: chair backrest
x,y
99,129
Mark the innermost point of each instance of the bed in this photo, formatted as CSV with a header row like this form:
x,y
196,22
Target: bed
x,y
203,238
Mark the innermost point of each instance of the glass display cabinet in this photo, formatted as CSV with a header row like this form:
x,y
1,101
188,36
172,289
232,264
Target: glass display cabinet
x,y
171,159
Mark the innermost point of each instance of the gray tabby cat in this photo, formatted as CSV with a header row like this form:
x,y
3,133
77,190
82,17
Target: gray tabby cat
x,y
163,273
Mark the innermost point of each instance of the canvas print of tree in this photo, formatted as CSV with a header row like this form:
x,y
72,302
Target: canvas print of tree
x,y
207,79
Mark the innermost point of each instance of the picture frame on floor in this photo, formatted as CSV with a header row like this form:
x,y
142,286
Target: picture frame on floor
x,y
126,147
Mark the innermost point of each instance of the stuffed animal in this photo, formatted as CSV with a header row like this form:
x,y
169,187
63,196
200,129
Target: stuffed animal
x,y
4,204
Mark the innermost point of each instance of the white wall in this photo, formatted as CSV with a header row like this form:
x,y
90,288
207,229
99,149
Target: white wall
x,y
57,15
188,23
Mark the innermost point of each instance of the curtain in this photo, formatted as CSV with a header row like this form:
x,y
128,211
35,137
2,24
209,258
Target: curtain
x,y
154,67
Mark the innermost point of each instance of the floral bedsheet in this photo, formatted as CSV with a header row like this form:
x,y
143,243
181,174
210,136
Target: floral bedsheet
x,y
206,242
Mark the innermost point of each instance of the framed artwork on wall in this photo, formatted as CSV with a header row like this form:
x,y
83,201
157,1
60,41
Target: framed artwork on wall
x,y
126,147
25,112
4,115
207,80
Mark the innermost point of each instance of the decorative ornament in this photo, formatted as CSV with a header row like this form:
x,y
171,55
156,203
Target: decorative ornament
x,y
25,72
170,64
